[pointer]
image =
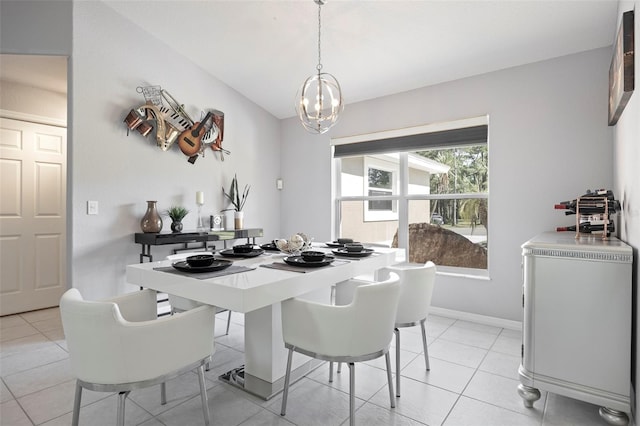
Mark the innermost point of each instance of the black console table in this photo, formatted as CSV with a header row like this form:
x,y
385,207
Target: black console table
x,y
146,240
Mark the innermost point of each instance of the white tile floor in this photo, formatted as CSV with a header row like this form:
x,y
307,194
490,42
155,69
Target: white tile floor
x,y
472,381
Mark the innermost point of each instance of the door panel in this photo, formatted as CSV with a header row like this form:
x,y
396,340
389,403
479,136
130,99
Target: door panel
x,y
32,215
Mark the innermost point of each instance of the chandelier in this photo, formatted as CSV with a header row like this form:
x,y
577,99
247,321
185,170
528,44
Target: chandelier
x,y
319,101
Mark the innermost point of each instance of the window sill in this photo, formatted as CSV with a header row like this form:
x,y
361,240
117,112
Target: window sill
x,y
474,274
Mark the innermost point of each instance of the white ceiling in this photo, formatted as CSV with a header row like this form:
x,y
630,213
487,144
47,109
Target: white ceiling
x,y
266,49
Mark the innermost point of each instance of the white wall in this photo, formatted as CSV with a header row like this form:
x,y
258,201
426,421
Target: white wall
x,y
548,141
111,57
33,101
626,145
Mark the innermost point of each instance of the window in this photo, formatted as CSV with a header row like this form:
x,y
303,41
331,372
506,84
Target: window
x,y
424,189
381,180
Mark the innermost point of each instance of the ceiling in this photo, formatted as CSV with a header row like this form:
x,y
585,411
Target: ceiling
x,y
266,49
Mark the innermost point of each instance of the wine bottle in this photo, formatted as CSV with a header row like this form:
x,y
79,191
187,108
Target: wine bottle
x,y
588,206
588,228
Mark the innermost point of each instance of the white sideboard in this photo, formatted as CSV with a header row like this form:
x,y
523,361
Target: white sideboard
x,y
576,337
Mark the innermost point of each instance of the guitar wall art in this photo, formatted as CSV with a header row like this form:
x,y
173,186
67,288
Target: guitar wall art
x,y
171,125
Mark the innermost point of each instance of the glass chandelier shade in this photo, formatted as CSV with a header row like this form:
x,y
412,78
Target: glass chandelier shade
x,y
319,101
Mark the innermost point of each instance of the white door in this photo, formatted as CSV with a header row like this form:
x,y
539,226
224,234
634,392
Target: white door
x,y
32,215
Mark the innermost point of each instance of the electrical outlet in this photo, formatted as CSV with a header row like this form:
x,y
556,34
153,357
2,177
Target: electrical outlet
x,y
92,207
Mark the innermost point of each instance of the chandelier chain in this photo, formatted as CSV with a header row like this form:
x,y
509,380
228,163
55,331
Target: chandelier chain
x,y
319,67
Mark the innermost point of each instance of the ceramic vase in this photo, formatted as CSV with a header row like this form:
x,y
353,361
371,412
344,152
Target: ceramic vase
x,y
151,221
238,220
176,226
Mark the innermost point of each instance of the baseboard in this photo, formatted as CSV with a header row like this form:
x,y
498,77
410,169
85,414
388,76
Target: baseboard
x,y
477,318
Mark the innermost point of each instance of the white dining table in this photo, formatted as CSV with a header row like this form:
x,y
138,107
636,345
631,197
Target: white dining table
x,y
257,293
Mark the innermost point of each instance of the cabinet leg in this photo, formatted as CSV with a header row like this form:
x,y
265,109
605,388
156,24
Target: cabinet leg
x,y
614,417
528,394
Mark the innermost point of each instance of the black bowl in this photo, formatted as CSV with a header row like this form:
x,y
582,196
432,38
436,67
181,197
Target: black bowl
x,y
354,247
200,260
344,241
312,256
243,248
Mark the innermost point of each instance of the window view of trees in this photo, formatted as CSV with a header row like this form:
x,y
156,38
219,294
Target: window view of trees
x,y
469,173
428,198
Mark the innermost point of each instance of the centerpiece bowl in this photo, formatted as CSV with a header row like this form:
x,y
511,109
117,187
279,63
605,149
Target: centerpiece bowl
x,y
294,245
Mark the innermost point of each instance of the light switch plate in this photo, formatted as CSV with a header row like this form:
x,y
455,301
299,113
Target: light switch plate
x,y
92,207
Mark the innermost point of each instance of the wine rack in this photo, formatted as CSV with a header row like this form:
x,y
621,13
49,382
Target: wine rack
x,y
593,212
590,203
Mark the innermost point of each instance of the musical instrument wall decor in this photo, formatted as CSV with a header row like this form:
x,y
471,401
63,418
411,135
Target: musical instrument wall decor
x,y
190,140
172,123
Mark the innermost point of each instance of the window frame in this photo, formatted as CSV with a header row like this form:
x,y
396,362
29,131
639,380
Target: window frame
x,y
380,215
402,198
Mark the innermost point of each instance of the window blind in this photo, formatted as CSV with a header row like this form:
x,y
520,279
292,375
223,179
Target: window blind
x,y
442,139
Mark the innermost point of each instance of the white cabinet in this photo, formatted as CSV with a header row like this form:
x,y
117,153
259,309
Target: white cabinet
x,y
577,321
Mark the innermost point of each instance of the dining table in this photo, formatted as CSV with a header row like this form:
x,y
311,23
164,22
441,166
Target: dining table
x,y
255,286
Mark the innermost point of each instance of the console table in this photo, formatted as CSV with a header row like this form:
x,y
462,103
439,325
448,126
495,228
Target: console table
x,y
577,296
146,240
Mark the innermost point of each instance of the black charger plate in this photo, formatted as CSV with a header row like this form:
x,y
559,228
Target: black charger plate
x,y
217,265
335,244
344,252
231,253
299,261
269,247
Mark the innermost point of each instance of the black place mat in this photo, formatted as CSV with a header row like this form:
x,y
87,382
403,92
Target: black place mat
x,y
286,267
233,269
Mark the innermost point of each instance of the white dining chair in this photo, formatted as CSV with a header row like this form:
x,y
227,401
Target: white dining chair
x,y
416,289
181,304
120,345
359,331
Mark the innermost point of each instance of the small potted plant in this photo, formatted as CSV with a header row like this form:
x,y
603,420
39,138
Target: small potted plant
x,y
237,200
176,213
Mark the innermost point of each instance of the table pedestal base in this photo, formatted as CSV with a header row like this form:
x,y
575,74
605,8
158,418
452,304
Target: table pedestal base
x,y
261,388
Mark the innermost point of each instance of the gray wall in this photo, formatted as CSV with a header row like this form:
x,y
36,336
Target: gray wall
x,y
548,141
111,57
37,27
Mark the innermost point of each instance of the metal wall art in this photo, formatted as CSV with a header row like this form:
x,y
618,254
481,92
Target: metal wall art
x,y
171,124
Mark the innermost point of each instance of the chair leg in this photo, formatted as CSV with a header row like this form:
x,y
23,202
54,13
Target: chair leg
x,y
228,324
330,371
352,394
387,358
424,345
76,405
122,396
285,391
203,395
397,333
163,393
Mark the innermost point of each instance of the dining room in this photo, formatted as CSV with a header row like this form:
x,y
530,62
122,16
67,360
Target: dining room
x,y
547,138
